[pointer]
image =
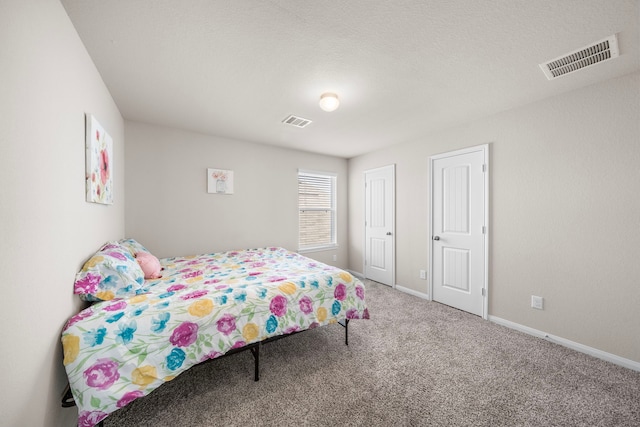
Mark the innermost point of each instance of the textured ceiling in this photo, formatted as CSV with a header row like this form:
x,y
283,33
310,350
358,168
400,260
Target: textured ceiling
x,y
402,68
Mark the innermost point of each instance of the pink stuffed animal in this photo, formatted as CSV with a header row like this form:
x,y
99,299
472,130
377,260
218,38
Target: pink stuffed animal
x,y
149,264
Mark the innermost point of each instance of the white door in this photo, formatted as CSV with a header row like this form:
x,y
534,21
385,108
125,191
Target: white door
x,y
459,184
379,224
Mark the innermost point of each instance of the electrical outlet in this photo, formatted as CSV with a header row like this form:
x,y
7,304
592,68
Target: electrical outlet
x,y
423,274
335,257
537,302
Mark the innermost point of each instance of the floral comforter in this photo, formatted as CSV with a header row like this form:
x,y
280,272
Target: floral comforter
x,y
117,351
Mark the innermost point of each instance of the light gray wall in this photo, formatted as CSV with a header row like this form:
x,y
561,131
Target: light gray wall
x,y
564,207
169,210
47,229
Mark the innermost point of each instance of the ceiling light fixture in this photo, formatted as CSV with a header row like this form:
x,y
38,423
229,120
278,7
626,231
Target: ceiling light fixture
x,y
329,101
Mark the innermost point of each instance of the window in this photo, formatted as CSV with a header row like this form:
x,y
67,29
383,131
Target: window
x,y
317,205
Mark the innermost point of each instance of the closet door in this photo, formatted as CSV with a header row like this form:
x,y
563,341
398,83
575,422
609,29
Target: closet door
x,y
379,264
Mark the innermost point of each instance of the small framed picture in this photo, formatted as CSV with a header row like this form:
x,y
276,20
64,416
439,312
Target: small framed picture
x,y
219,181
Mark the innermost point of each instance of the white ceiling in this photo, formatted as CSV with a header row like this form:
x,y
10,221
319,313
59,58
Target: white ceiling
x,y
402,68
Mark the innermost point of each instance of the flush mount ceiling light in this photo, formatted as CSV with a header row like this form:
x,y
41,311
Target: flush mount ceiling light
x,y
329,101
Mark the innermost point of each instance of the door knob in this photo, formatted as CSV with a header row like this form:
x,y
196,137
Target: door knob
x,y
436,237
388,233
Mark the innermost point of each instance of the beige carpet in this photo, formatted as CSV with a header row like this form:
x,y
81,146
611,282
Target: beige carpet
x,y
415,363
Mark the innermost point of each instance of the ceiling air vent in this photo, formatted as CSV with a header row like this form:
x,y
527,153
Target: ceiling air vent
x,y
296,121
597,52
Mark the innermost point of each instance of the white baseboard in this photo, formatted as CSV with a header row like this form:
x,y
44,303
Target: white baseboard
x,y
609,357
412,292
398,287
356,273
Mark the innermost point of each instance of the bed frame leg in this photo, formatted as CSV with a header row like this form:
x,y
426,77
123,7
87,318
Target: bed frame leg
x,y
345,325
346,332
255,350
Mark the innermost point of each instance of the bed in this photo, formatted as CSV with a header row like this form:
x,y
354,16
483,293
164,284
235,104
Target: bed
x,y
140,333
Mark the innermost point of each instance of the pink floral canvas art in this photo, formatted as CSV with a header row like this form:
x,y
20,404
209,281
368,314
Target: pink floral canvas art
x,y
99,146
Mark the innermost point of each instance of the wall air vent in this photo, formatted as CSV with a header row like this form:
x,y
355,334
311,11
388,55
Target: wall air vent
x,y
296,121
603,50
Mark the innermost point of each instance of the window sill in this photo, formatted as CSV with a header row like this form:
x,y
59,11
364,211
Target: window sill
x,y
318,249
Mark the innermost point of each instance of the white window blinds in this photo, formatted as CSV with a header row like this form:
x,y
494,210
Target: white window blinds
x,y
317,204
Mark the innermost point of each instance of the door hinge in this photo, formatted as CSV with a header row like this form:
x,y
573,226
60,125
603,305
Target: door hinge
x,y
484,167
483,292
484,229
